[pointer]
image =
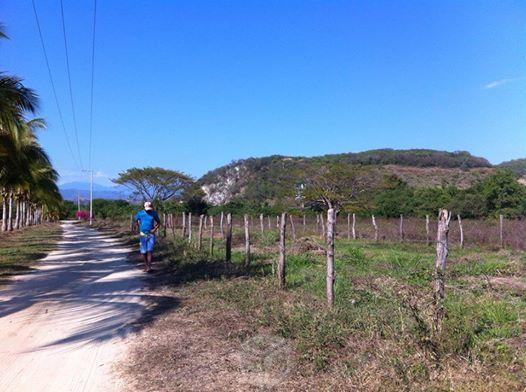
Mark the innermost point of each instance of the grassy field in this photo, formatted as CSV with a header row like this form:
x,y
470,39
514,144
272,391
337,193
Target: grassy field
x,y
19,250
377,337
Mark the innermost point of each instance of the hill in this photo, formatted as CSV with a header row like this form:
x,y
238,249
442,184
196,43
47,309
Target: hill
x,y
516,165
275,177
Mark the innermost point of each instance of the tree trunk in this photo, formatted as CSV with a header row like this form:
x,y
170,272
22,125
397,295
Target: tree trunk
x,y
322,227
205,223
10,213
16,225
247,239
211,236
277,222
132,224
353,226
461,231
4,210
282,244
200,233
221,228
164,225
228,242
440,267
172,224
331,223
269,223
317,223
304,224
292,228
501,230
428,237
261,223
373,219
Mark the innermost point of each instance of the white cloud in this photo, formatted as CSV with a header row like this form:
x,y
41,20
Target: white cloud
x,y
500,82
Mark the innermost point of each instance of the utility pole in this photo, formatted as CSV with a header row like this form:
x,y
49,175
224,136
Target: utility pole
x,y
90,196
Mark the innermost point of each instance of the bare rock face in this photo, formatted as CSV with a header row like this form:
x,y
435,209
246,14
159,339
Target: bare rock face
x,y
225,186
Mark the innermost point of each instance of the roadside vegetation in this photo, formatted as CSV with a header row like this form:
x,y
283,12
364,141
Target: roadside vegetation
x,y
237,330
19,250
28,187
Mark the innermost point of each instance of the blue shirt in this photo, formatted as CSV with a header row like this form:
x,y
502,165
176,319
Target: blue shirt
x,y
146,220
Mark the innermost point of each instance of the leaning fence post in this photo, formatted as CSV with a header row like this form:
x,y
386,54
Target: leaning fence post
x,y
501,230
281,260
440,267
200,233
373,219
247,239
461,231
331,222
228,242
353,226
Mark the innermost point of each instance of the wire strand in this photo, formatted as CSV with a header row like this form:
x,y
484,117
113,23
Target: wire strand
x,y
92,83
75,128
53,85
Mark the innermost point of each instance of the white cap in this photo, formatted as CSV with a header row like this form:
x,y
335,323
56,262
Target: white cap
x,y
148,206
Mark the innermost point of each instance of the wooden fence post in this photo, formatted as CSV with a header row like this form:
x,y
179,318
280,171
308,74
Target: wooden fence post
x,y
183,232
277,222
501,230
132,224
373,219
269,224
211,236
281,260
164,225
189,227
228,242
247,240
461,231
304,224
200,233
262,224
331,222
428,238
353,226
292,228
348,226
317,222
322,227
440,267
205,222
172,224
401,228
221,228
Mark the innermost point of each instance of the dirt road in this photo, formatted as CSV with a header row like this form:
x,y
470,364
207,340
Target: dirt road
x,y
63,326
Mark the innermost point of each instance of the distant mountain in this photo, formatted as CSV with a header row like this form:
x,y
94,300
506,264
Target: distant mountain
x,y
71,190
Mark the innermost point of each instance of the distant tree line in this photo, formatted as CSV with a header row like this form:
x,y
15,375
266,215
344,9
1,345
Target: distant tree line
x,y
333,186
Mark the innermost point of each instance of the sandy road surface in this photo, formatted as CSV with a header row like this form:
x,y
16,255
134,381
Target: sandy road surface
x,y
63,326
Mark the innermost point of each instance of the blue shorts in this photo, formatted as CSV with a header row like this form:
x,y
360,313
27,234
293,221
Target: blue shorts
x,y
146,243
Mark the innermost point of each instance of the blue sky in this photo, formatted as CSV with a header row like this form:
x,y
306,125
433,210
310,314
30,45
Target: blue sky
x,y
192,85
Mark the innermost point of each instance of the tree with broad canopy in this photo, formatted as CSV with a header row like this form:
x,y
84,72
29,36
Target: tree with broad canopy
x,y
154,183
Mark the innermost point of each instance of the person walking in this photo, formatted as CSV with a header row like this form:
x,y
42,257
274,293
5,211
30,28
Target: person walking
x,y
148,222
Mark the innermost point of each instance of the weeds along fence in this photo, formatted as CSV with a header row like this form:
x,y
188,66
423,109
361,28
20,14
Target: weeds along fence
x,y
492,233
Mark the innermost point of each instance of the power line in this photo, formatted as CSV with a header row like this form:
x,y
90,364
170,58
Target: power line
x,y
92,78
69,83
53,85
